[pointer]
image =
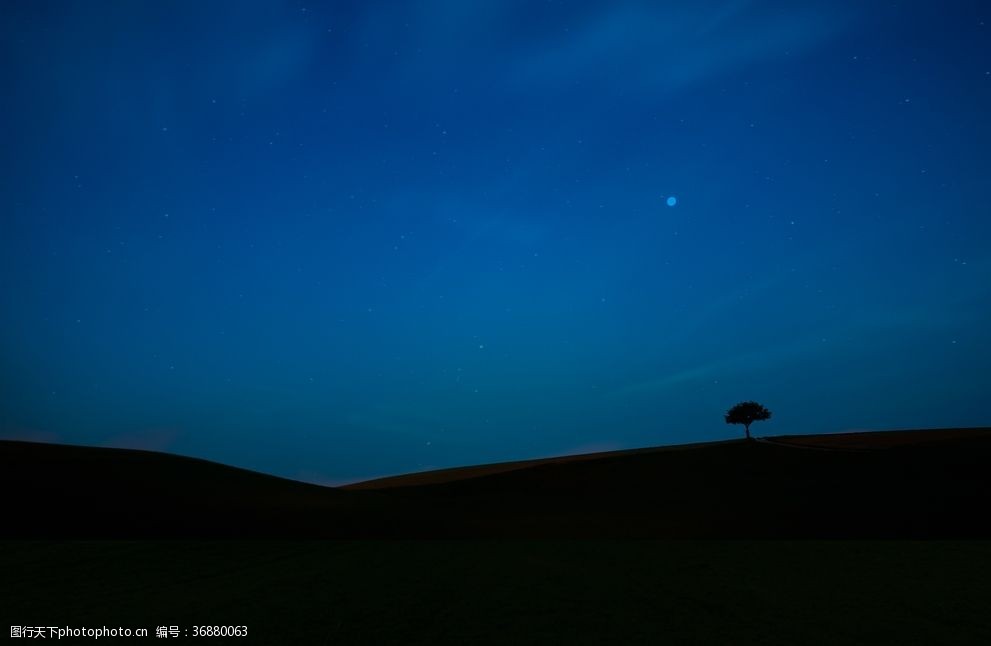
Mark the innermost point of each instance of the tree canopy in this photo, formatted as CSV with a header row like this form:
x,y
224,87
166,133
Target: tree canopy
x,y
747,413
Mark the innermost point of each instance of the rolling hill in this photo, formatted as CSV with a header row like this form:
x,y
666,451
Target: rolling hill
x,y
897,484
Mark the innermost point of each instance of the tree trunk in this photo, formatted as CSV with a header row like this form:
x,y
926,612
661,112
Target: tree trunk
x,y
746,427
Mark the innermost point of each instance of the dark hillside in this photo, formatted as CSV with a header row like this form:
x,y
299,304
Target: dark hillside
x,y
919,484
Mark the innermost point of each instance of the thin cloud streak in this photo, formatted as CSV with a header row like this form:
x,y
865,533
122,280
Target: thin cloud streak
x,y
670,48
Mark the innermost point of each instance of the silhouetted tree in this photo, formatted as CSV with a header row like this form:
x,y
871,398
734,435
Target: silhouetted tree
x,y
747,413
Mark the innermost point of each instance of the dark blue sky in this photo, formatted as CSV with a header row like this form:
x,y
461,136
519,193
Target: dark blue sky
x,y
339,240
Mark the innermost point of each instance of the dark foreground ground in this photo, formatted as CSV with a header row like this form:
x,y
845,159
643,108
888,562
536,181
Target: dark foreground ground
x,y
614,592
576,550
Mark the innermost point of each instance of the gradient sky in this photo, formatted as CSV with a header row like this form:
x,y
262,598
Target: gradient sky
x,y
340,240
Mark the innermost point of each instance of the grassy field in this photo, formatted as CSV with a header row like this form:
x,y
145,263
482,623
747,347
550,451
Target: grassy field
x,y
511,592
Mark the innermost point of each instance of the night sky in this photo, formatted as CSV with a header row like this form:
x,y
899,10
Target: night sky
x,y
332,241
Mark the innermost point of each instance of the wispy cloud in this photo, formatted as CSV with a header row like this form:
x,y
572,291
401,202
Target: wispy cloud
x,y
633,46
711,369
667,47
877,327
